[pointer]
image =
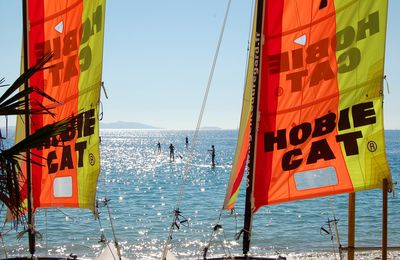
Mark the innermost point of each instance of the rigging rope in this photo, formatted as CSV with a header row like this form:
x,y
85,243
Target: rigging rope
x,y
233,212
45,221
214,233
3,245
387,84
195,137
334,222
106,200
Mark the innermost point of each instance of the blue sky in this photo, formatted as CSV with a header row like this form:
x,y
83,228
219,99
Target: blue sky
x,y
158,55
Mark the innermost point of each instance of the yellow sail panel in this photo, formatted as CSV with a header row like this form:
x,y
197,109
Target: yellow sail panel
x,y
320,126
242,147
19,123
19,135
66,168
361,68
89,99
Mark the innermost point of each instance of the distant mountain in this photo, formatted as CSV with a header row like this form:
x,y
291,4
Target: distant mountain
x,y
126,125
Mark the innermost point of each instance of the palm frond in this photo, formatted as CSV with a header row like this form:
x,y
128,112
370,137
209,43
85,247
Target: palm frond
x,y
17,97
24,77
10,103
40,92
2,80
11,175
42,135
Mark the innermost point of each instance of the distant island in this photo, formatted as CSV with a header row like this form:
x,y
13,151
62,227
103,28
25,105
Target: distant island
x,y
211,128
126,125
136,125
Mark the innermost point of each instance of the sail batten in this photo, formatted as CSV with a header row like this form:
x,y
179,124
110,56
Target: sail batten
x,y
320,107
66,168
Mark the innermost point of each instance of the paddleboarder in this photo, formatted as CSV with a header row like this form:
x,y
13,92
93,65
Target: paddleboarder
x,y
171,153
212,151
159,147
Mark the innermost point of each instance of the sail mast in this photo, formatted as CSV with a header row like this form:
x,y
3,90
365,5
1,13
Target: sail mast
x,y
31,233
253,126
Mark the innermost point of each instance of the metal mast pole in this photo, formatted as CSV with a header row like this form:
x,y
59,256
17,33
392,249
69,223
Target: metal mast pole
x,y
31,233
351,226
384,218
256,70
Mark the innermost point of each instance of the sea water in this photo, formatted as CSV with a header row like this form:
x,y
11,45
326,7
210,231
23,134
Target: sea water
x,y
144,187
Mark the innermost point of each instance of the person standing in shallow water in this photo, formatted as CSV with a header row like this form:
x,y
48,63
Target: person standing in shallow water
x,y
187,141
159,147
171,153
212,151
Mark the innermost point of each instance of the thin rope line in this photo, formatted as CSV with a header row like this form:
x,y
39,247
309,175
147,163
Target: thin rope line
x,y
4,246
2,233
333,209
46,228
252,12
109,216
193,147
332,206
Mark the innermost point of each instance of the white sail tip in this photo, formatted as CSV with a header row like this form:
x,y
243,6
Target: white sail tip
x,y
109,252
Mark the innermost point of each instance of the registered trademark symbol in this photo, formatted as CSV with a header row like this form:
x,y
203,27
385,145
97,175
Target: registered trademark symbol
x,y
92,159
372,146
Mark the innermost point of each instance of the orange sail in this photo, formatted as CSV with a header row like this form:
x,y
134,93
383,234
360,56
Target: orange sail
x,y
320,119
319,111
65,169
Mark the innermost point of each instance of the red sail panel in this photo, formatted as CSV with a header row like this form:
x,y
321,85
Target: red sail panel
x,y
46,33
